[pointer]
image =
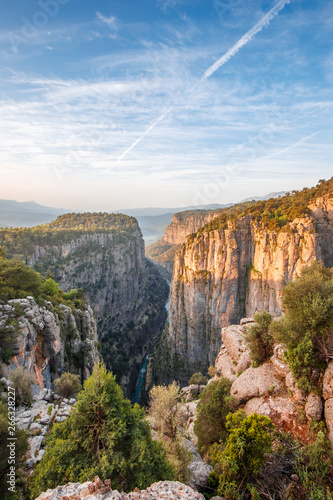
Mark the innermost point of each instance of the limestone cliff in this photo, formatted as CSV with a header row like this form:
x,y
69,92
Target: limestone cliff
x,y
46,341
163,251
235,267
104,255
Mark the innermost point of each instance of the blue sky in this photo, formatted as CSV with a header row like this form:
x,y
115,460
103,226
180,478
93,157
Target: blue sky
x,y
112,104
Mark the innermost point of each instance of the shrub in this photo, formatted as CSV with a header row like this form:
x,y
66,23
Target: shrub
x,y
307,325
168,420
250,439
22,382
214,405
67,385
104,437
6,355
259,339
197,379
50,287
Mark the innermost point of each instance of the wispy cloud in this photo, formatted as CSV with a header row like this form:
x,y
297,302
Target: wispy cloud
x,y
110,21
264,21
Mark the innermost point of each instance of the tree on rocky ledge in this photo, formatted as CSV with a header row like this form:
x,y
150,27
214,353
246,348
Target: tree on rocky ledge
x,y
104,436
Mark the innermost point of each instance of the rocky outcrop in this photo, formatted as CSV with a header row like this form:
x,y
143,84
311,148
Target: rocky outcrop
x,y
221,275
271,390
97,490
47,342
255,382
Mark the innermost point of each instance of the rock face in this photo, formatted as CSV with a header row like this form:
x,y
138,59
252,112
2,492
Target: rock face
x,y
184,223
222,275
46,342
97,490
255,382
124,288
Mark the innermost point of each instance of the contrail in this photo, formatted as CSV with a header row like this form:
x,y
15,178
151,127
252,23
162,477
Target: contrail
x,y
264,21
163,115
298,143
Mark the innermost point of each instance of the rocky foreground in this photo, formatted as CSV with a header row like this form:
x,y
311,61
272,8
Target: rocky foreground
x,y
97,490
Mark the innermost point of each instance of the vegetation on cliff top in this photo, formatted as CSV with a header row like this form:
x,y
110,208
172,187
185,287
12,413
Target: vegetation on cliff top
x,y
21,242
275,213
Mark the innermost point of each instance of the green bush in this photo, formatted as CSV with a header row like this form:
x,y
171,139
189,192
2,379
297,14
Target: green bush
x,y
307,326
6,355
104,437
22,382
50,287
259,339
214,405
67,385
236,463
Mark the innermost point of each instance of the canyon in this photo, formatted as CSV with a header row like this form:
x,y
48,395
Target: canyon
x,y
109,265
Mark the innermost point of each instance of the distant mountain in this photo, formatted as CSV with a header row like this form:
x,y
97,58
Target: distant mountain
x,y
153,221
266,197
28,213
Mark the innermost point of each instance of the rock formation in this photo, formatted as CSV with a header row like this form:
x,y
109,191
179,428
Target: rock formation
x,y
271,391
47,342
97,490
223,274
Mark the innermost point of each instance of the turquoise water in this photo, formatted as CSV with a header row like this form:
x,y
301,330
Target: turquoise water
x,y
138,389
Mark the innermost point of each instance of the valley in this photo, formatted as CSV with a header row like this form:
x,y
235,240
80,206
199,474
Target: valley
x,y
82,290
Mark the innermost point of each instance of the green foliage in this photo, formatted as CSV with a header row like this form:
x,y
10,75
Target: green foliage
x,y
259,339
67,385
314,463
214,405
17,280
307,326
50,287
197,379
22,382
168,420
274,214
250,439
104,436
21,446
6,355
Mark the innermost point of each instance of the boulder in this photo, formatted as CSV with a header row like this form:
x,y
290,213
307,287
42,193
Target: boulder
x,y
314,407
255,382
279,409
277,360
297,393
198,469
246,321
328,382
233,340
329,419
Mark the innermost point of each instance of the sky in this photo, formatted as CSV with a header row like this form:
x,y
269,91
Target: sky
x,y
111,104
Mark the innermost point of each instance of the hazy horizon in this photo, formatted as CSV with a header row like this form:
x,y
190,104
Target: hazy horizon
x,y
167,103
